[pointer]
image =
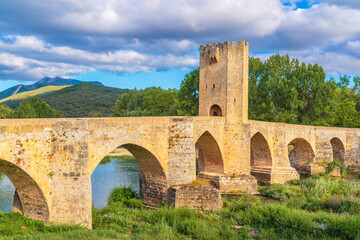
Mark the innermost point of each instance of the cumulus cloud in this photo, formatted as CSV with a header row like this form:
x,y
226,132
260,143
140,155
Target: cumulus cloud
x,y
321,25
348,3
42,58
146,18
20,68
354,48
70,36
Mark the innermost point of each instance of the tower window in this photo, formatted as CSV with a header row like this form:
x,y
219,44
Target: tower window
x,y
213,85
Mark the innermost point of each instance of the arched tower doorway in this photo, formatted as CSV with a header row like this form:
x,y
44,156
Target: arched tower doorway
x,y
216,111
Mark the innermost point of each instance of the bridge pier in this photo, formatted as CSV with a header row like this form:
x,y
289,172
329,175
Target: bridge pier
x,y
70,181
273,174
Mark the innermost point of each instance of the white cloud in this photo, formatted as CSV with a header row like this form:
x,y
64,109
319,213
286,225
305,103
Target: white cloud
x,y
348,3
321,24
72,61
24,69
149,18
149,35
354,48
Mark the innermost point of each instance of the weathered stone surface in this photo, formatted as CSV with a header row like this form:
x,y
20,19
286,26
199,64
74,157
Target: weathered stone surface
x,y
203,197
336,172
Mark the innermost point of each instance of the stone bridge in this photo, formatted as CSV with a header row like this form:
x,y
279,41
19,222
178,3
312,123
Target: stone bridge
x,y
50,161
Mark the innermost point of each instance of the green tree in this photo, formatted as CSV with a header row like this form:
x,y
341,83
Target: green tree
x,y
25,110
258,96
6,112
188,97
346,103
346,115
149,102
315,95
130,104
273,95
159,102
42,108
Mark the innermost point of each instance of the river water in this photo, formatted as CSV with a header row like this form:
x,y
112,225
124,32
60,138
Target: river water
x,y
117,172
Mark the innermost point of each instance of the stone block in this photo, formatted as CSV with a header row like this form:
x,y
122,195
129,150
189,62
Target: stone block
x,y
237,183
200,197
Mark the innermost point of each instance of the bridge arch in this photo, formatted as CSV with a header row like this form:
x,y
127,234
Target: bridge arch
x,y
260,154
209,154
152,177
338,149
29,198
301,155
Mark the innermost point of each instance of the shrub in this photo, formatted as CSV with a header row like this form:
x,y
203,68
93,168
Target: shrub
x,y
243,202
294,182
337,163
126,196
277,191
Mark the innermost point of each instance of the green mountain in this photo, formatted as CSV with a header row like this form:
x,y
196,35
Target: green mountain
x,y
33,93
81,100
46,81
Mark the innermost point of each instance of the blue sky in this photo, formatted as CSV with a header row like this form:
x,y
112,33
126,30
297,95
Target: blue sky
x,y
142,43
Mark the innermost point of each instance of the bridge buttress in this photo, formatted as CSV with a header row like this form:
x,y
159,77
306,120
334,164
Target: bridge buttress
x,y
181,158
71,183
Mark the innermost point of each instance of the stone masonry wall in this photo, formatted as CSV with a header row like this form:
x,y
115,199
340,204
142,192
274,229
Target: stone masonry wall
x,y
181,147
204,197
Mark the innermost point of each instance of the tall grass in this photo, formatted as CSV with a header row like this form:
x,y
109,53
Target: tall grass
x,y
318,193
245,217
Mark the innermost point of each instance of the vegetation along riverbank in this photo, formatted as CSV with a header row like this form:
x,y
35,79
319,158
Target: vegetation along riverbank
x,y
319,207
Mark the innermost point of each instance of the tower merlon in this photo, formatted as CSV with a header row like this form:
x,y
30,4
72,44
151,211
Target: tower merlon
x,y
222,46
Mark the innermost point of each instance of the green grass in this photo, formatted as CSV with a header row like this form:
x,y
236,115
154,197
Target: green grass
x,y
238,218
318,193
33,93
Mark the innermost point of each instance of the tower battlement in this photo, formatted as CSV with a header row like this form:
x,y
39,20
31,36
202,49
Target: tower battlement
x,y
225,44
223,83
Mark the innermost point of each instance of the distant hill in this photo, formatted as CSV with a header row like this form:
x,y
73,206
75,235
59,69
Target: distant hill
x,y
81,99
46,81
28,94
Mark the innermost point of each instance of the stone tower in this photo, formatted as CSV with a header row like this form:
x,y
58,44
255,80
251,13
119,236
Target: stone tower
x,y
223,83
223,91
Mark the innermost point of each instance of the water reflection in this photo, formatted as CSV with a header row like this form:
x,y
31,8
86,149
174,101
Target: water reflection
x,y
119,172
115,172
7,191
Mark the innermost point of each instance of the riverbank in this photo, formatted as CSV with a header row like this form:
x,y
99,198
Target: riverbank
x,y
119,152
245,217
